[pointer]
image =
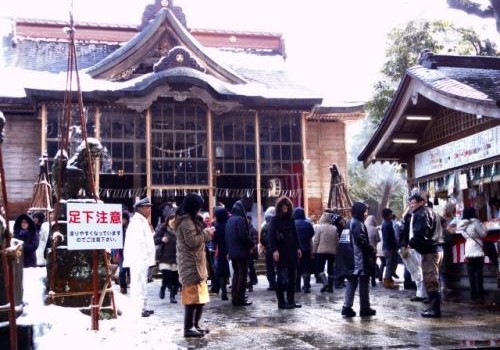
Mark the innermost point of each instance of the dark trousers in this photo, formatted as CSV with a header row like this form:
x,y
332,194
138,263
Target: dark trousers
x,y
286,282
352,285
239,280
123,273
320,260
270,269
252,275
305,268
475,272
170,279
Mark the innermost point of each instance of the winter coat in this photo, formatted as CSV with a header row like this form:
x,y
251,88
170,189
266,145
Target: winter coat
x,y
283,236
389,242
221,217
238,242
326,236
139,248
364,253
473,232
167,251
268,214
304,228
29,237
371,227
191,258
421,233
222,265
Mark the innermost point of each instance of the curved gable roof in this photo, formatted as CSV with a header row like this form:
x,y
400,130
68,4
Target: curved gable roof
x,y
133,52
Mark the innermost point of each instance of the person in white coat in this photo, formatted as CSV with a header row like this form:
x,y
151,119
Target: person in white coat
x,y
473,232
139,253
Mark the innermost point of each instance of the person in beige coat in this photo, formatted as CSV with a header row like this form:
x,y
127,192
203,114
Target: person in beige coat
x,y
191,260
324,249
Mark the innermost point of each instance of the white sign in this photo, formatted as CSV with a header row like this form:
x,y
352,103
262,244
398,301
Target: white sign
x,y
94,226
470,149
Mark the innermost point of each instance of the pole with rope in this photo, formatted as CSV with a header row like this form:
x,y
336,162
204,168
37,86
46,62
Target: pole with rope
x,y
65,124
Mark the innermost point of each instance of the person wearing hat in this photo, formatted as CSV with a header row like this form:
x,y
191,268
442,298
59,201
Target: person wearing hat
x,y
139,253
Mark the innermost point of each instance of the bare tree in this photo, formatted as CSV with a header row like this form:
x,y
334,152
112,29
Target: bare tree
x,y
476,9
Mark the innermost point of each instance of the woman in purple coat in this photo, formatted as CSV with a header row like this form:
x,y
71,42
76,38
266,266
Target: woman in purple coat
x,y
25,230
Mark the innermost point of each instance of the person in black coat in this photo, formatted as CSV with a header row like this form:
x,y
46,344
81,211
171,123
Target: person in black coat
x,y
305,233
166,255
363,256
239,247
222,272
284,243
25,230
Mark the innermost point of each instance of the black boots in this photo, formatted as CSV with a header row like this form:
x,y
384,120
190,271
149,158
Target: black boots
x,y
173,292
327,283
434,310
162,291
280,295
348,312
198,311
190,330
307,283
324,282
223,288
367,311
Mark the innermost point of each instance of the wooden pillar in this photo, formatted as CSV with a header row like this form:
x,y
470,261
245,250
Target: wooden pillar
x,y
211,201
98,160
257,172
305,163
43,117
148,152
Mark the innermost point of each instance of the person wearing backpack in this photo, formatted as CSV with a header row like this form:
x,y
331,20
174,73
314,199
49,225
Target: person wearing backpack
x,y
425,239
473,232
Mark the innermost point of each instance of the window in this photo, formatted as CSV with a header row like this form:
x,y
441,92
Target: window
x,y
234,143
179,144
123,134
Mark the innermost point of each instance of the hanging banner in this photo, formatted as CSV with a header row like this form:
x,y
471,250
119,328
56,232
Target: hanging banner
x,y
462,179
94,226
470,149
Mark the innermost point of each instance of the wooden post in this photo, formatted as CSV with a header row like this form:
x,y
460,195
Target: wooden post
x,y
148,152
305,163
43,117
98,160
257,173
211,201
94,310
8,268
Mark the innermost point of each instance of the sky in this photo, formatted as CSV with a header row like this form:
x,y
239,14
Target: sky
x,y
336,47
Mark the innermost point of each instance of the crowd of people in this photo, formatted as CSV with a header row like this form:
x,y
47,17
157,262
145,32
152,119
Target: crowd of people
x,y
190,249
